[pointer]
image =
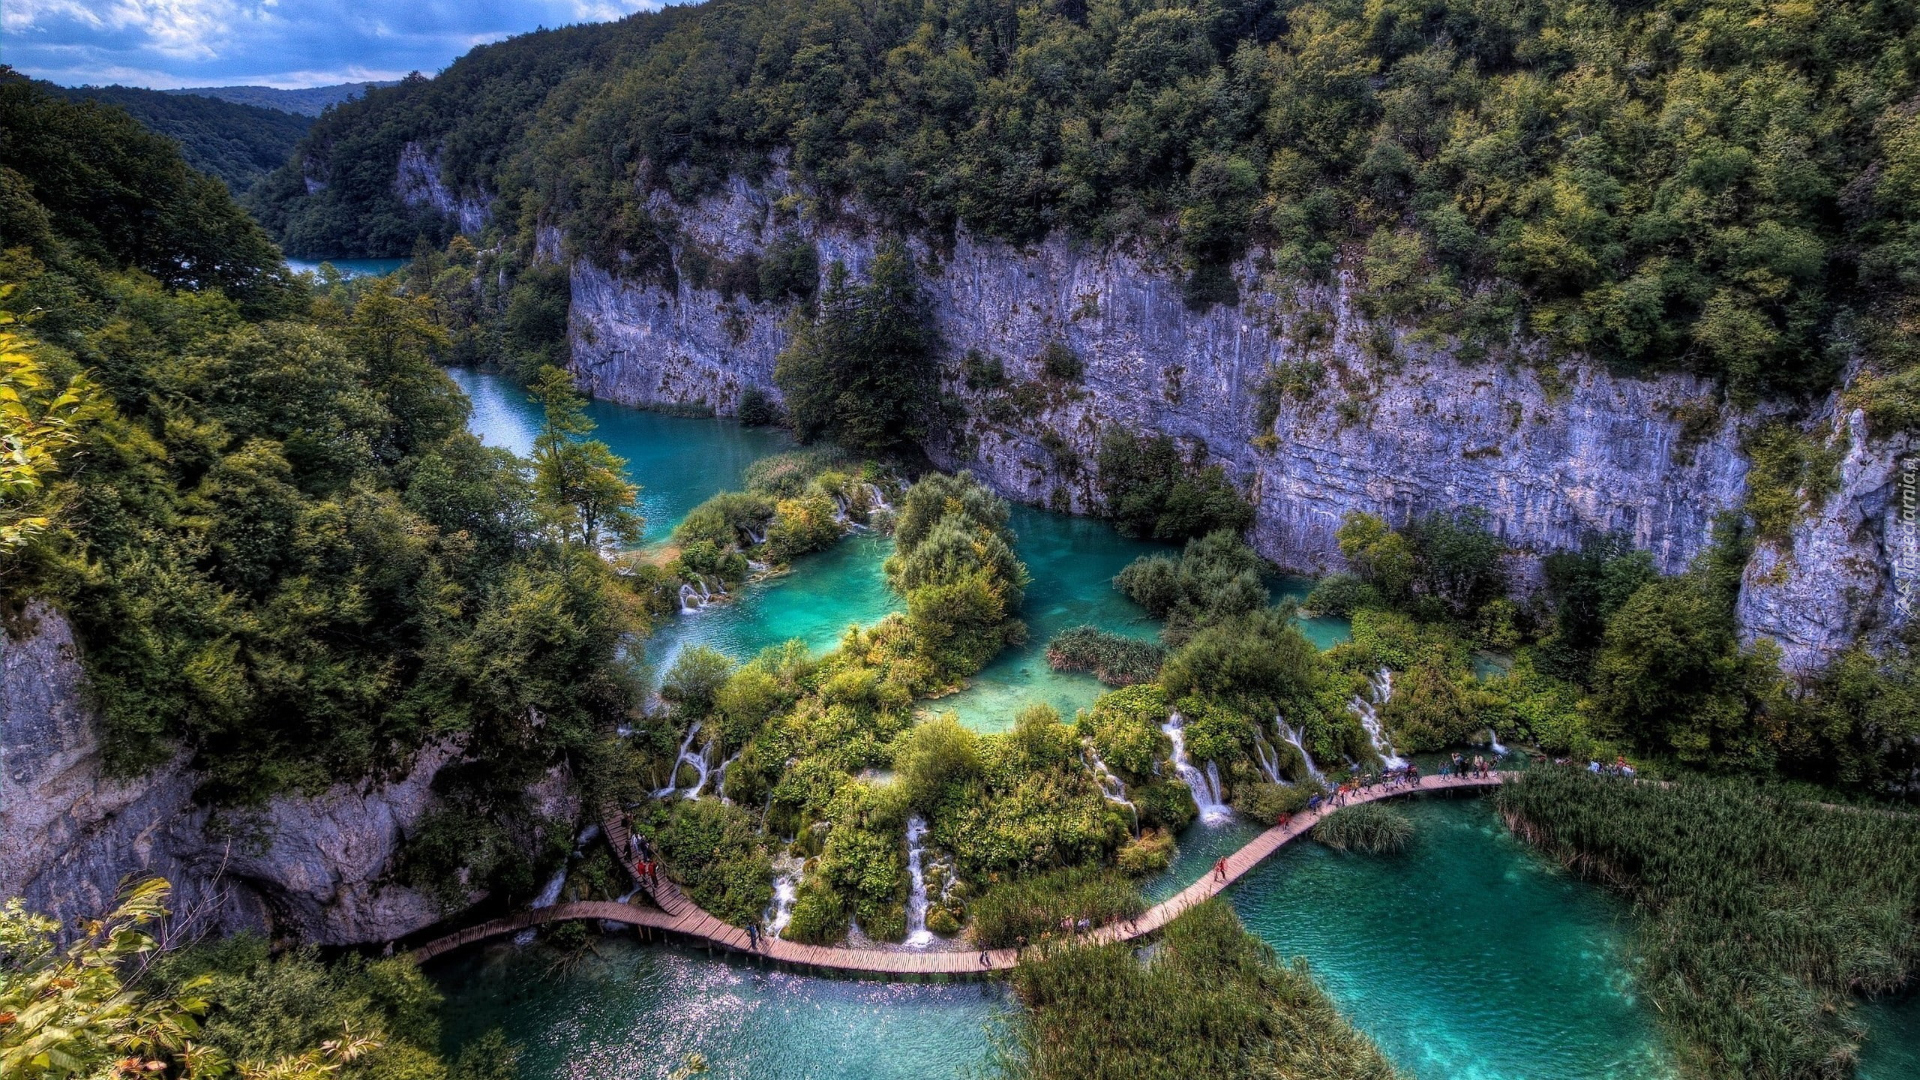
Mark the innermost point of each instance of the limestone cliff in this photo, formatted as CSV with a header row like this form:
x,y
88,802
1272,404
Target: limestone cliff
x,y
1374,419
417,182
307,868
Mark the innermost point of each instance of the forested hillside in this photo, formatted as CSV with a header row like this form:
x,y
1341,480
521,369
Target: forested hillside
x,y
237,143
278,546
306,101
1725,186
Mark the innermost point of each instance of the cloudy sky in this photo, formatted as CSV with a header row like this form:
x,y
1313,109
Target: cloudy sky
x,y
285,43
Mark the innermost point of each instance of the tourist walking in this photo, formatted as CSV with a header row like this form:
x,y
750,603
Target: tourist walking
x,y
1220,869
753,936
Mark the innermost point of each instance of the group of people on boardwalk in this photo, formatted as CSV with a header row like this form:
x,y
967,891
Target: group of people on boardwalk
x,y
1478,768
645,866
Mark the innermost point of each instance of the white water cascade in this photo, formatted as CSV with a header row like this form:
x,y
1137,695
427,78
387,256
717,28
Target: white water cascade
x,y
918,936
1205,786
786,889
720,778
1269,759
1381,687
689,599
1292,738
688,757
1112,788
1493,743
549,896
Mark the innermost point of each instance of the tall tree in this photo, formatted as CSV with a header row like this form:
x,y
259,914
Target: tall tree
x,y
580,481
861,372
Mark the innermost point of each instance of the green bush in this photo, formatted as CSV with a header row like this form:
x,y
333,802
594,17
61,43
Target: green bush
x,y
1216,577
1060,362
1150,489
711,848
861,373
756,408
1266,802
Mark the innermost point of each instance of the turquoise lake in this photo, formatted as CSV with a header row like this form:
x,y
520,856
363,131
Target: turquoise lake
x,y
1467,957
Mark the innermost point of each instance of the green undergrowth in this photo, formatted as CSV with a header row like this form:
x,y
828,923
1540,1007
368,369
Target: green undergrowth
x,y
1210,1001
1114,659
1761,918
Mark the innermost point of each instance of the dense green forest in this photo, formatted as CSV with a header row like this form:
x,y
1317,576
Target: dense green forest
x,y
237,143
260,508
1726,186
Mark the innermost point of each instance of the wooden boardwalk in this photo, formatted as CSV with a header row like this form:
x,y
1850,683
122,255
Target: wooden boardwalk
x,y
672,912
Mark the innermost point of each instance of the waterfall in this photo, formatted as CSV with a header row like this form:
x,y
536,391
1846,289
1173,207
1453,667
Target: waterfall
x,y
786,889
705,596
689,600
1292,738
698,761
918,936
1112,788
755,538
720,777
1269,759
758,567
1381,686
549,896
1493,743
840,510
1205,786
878,497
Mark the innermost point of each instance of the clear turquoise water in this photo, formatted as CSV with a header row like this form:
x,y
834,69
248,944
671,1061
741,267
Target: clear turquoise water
x,y
1892,1050
1466,957
351,268
633,1011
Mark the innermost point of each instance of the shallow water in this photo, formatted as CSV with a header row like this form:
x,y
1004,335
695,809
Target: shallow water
x,y
1466,957
1892,1049
349,268
637,1010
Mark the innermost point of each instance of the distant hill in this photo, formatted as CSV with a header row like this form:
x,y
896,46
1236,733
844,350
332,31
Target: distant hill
x,y
237,143
308,101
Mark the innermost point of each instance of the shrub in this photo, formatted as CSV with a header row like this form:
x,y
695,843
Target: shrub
x,y
789,269
1147,854
1373,828
1150,489
1060,362
756,408
1266,802
933,754
693,682
710,847
1032,908
1340,594
862,374
1112,658
1217,576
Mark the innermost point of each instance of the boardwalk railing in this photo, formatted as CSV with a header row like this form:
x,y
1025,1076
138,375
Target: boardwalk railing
x,y
674,912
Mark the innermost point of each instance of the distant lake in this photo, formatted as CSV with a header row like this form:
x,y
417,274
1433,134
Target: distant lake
x,y
351,268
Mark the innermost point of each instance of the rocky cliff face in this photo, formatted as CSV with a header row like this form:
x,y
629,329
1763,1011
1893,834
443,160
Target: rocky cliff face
x,y
1372,419
417,182
305,868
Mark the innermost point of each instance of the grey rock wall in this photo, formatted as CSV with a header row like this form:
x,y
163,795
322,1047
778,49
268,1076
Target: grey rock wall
x,y
310,869
1552,452
417,182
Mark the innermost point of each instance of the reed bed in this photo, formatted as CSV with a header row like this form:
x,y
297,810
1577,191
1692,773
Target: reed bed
x,y
1373,828
1212,1002
1761,916
1114,659
1052,904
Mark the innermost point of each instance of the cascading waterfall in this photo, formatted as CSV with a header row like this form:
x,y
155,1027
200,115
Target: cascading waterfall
x,y
1269,759
689,599
918,936
1381,686
757,538
720,778
1205,786
1292,738
1493,743
878,499
686,756
786,889
549,896
1112,788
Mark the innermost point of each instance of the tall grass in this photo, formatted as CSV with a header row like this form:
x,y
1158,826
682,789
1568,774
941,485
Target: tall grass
x,y
1369,827
1032,908
1213,1003
1762,916
1114,659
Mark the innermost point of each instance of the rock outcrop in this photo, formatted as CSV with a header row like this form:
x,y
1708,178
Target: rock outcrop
x,y
306,868
418,183
1364,415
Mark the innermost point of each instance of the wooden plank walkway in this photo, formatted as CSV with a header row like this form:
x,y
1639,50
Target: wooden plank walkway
x,y
673,912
